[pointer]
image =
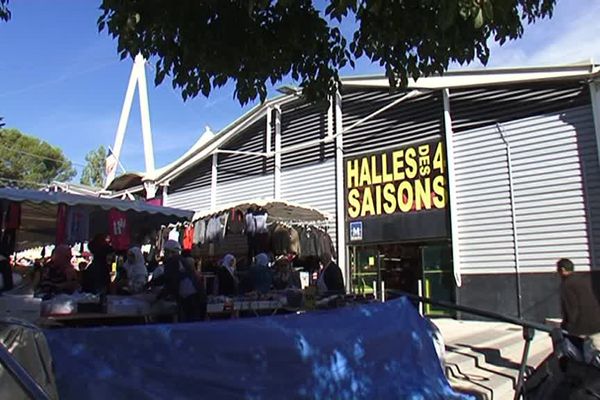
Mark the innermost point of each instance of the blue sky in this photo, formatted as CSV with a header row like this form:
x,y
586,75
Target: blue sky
x,y
63,81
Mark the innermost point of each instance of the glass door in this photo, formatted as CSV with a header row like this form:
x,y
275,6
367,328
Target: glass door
x,y
363,264
438,281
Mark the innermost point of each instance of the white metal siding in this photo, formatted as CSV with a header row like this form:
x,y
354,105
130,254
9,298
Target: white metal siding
x,y
551,216
313,186
251,188
194,199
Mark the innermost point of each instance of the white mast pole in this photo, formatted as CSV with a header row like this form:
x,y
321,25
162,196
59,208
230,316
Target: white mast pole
x,y
123,120
145,114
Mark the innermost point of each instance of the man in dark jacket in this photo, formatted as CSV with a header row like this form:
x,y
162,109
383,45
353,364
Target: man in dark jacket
x,y
96,277
579,304
331,279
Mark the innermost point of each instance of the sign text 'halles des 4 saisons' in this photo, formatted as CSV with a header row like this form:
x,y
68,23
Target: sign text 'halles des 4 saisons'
x,y
397,181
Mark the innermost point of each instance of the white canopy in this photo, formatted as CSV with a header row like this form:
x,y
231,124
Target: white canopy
x,y
42,197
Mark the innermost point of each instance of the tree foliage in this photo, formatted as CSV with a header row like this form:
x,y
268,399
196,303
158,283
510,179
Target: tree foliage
x,y
94,173
29,162
203,44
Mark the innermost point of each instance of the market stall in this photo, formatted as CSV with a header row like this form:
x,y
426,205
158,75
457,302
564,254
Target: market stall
x,y
260,226
31,218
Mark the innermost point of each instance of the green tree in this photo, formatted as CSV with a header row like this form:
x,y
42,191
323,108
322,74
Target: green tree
x,y
94,173
204,44
28,162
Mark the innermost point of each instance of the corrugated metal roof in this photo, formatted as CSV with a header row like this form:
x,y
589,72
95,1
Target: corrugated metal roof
x,y
451,79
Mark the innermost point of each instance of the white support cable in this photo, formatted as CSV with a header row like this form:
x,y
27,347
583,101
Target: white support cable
x,y
9,180
328,138
40,157
313,143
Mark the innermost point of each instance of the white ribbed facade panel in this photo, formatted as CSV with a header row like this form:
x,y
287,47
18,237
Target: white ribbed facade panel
x,y
194,199
484,219
246,189
552,218
313,186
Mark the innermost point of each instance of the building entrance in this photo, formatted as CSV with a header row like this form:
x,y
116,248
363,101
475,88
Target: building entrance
x,y
418,268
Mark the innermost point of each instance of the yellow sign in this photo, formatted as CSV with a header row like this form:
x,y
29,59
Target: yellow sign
x,y
404,180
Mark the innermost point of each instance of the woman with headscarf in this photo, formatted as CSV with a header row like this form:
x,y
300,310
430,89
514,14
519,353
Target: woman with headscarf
x,y
260,274
228,281
59,275
135,270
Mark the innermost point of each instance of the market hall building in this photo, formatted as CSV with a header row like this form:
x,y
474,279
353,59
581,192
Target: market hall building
x,y
465,187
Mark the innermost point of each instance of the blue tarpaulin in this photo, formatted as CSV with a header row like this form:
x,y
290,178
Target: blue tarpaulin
x,y
378,351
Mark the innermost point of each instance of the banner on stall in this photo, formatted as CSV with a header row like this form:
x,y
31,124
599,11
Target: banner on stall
x,y
404,180
119,229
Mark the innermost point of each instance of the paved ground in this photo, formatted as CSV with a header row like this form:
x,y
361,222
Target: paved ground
x,y
484,357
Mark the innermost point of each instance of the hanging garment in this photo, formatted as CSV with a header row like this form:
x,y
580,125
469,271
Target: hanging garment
x,y
223,218
162,237
200,232
236,223
119,230
326,243
284,240
13,216
61,224
174,234
212,228
260,221
250,223
308,242
188,237
78,225
280,240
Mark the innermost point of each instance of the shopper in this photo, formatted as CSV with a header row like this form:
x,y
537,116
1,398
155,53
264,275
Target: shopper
x,y
261,275
180,283
135,270
331,280
96,277
193,304
285,276
580,305
228,281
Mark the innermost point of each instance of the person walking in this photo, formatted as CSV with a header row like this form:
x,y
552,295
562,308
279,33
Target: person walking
x,y
580,307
